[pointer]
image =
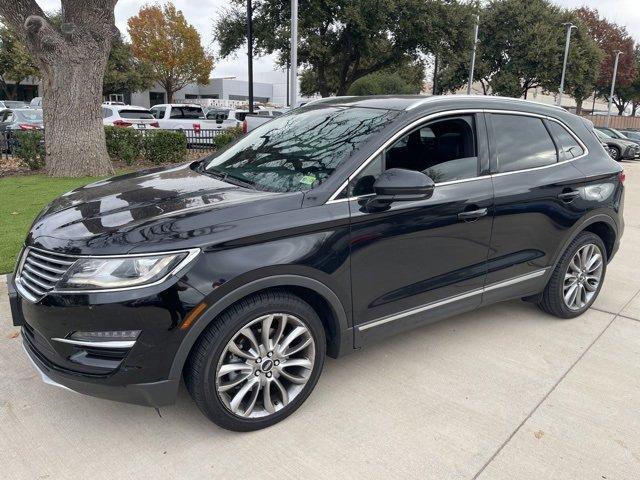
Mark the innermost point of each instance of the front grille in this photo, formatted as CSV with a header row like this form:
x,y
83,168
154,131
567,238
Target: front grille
x,y
40,270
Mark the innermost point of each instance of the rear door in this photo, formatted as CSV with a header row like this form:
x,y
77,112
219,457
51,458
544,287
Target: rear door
x,y
537,200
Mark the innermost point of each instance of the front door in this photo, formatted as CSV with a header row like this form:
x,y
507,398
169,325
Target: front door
x,y
421,260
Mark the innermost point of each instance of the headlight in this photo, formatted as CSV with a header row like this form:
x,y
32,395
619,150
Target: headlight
x,y
122,272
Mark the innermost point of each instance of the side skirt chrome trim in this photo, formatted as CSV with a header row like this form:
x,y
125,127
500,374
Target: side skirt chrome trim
x,y
455,298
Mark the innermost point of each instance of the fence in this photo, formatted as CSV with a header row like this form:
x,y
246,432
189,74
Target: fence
x,y
618,122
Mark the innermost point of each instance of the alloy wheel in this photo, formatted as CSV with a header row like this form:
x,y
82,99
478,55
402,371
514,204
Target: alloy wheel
x,y
265,365
583,276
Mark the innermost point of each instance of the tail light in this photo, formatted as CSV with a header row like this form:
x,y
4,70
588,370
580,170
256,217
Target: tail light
x,y
621,176
155,124
121,123
27,126
196,128
245,127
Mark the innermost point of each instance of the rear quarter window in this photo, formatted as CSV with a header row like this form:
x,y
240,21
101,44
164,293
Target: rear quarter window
x,y
567,144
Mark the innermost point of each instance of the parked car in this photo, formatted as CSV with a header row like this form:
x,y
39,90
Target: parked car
x,y
128,116
253,121
190,118
320,232
36,102
13,104
226,117
613,133
619,148
20,119
631,135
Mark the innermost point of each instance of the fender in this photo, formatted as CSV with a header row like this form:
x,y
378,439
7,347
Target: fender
x,y
342,344
600,217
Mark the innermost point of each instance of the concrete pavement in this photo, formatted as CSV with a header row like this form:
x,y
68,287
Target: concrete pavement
x,y
506,392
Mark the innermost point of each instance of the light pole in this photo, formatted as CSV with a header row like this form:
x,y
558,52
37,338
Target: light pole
x,y
250,52
294,55
473,54
570,26
613,86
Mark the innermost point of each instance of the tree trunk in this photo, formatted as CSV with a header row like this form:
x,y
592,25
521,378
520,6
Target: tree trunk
x,y
72,61
74,132
579,106
169,96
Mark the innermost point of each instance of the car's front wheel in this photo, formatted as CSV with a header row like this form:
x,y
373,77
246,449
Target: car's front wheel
x,y
258,362
577,278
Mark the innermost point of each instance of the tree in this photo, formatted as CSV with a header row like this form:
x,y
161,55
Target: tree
x,y
125,73
162,38
71,59
381,83
15,62
610,38
342,41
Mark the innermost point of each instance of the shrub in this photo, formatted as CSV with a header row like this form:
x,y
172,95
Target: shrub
x,y
28,147
163,146
228,136
123,144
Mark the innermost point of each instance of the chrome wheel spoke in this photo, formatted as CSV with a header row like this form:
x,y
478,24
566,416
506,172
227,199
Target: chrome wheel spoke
x,y
583,276
265,365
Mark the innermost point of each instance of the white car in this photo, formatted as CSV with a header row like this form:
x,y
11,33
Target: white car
x,y
128,116
227,117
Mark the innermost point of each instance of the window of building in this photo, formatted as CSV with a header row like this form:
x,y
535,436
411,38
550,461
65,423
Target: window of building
x,y
445,150
522,142
567,144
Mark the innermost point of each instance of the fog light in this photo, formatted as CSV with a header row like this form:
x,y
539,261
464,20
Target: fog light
x,y
111,336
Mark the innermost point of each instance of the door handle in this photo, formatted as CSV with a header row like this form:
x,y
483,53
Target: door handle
x,y
569,195
472,214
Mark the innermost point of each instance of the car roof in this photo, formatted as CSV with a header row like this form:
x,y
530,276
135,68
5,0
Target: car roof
x,y
419,102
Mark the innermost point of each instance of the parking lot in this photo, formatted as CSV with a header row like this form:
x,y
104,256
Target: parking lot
x,y
505,392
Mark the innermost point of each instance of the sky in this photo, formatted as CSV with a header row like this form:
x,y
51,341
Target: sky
x,y
201,14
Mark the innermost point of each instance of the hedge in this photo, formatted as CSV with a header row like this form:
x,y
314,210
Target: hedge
x,y
28,147
124,144
165,146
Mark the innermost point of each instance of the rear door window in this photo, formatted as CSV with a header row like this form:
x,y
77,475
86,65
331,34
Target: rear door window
x,y
567,145
136,114
522,142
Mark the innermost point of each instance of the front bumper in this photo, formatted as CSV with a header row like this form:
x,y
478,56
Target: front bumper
x,y
142,375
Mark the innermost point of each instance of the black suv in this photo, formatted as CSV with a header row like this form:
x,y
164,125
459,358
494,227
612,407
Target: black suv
x,y
345,221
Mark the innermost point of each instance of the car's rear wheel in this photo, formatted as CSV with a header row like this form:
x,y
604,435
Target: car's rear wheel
x,y
615,153
258,362
577,279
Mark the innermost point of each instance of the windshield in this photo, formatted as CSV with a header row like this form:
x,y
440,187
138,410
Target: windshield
x,y
298,152
34,116
634,135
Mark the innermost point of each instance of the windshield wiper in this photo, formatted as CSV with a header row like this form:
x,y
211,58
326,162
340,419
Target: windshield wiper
x,y
225,177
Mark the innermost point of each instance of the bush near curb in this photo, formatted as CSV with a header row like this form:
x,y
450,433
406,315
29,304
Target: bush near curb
x,y
28,147
165,146
124,144
227,137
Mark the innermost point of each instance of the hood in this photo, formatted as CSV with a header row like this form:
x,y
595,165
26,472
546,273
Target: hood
x,y
146,208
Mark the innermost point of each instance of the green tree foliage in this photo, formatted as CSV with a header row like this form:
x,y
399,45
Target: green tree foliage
x,y
611,38
124,72
15,62
381,83
342,41
520,49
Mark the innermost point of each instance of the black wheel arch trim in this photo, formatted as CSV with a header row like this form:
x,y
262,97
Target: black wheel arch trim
x,y
597,218
342,342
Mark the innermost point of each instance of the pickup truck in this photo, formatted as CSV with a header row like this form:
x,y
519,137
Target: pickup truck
x,y
191,119
253,121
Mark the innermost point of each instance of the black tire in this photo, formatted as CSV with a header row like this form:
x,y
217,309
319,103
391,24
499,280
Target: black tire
x,y
616,154
552,299
200,369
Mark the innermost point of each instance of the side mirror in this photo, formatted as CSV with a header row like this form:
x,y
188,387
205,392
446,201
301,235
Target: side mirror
x,y
400,185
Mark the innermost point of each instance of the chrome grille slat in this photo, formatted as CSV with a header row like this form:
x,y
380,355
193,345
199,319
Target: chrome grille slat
x,y
38,264
51,259
33,279
40,271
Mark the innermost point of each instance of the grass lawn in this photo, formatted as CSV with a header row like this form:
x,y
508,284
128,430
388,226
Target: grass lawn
x,y
21,199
